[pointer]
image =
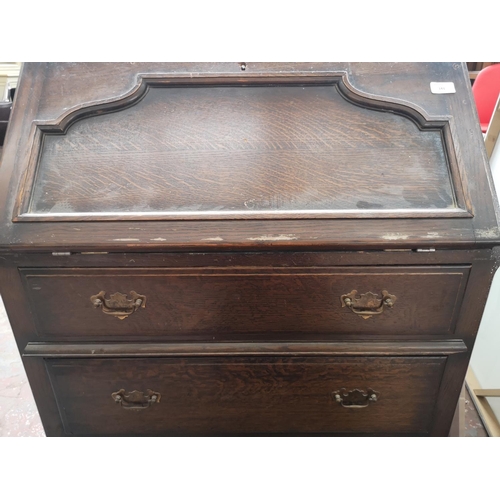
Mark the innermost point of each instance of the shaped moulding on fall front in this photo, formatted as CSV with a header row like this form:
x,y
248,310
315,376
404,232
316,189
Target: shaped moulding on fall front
x,y
227,149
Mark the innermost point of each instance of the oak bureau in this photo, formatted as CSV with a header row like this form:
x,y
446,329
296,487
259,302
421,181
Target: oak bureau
x,y
246,248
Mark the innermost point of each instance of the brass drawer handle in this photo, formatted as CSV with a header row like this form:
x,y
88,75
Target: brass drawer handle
x,y
118,304
136,400
367,304
355,398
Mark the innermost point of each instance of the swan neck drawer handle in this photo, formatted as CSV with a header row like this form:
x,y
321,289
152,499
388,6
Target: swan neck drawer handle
x,y
355,398
136,400
118,304
367,304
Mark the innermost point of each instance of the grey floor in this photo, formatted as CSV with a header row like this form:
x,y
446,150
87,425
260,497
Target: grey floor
x,y
18,413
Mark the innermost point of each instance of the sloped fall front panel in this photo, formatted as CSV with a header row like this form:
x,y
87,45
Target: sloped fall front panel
x,y
236,152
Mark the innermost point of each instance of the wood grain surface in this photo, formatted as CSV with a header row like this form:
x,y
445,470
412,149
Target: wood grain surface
x,y
242,152
242,205
237,349
212,302
246,395
49,93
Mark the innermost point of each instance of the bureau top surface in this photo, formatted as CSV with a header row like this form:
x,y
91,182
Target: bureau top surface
x,y
159,156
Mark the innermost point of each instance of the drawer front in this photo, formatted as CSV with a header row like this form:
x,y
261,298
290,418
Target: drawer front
x,y
179,303
238,396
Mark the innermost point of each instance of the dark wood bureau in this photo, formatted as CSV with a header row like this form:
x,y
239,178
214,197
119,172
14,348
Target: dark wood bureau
x,y
267,249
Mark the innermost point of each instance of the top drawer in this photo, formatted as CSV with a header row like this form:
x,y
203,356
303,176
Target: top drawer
x,y
208,302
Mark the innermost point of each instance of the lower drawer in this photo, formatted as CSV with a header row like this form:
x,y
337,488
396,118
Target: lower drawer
x,y
246,395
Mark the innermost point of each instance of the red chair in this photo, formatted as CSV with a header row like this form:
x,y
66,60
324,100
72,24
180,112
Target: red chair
x,y
486,89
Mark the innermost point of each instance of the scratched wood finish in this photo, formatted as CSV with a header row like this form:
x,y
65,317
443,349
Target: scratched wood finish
x,y
275,244
49,92
227,150
274,259
207,349
213,302
17,303
247,395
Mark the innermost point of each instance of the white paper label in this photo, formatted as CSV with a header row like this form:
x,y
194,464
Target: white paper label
x,y
443,88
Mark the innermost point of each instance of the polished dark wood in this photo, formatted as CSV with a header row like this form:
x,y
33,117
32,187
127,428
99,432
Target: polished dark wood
x,y
396,92
292,249
208,301
345,348
212,396
238,152
275,259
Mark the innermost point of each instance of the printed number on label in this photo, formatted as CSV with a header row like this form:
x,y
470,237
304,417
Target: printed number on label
x,y
443,88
